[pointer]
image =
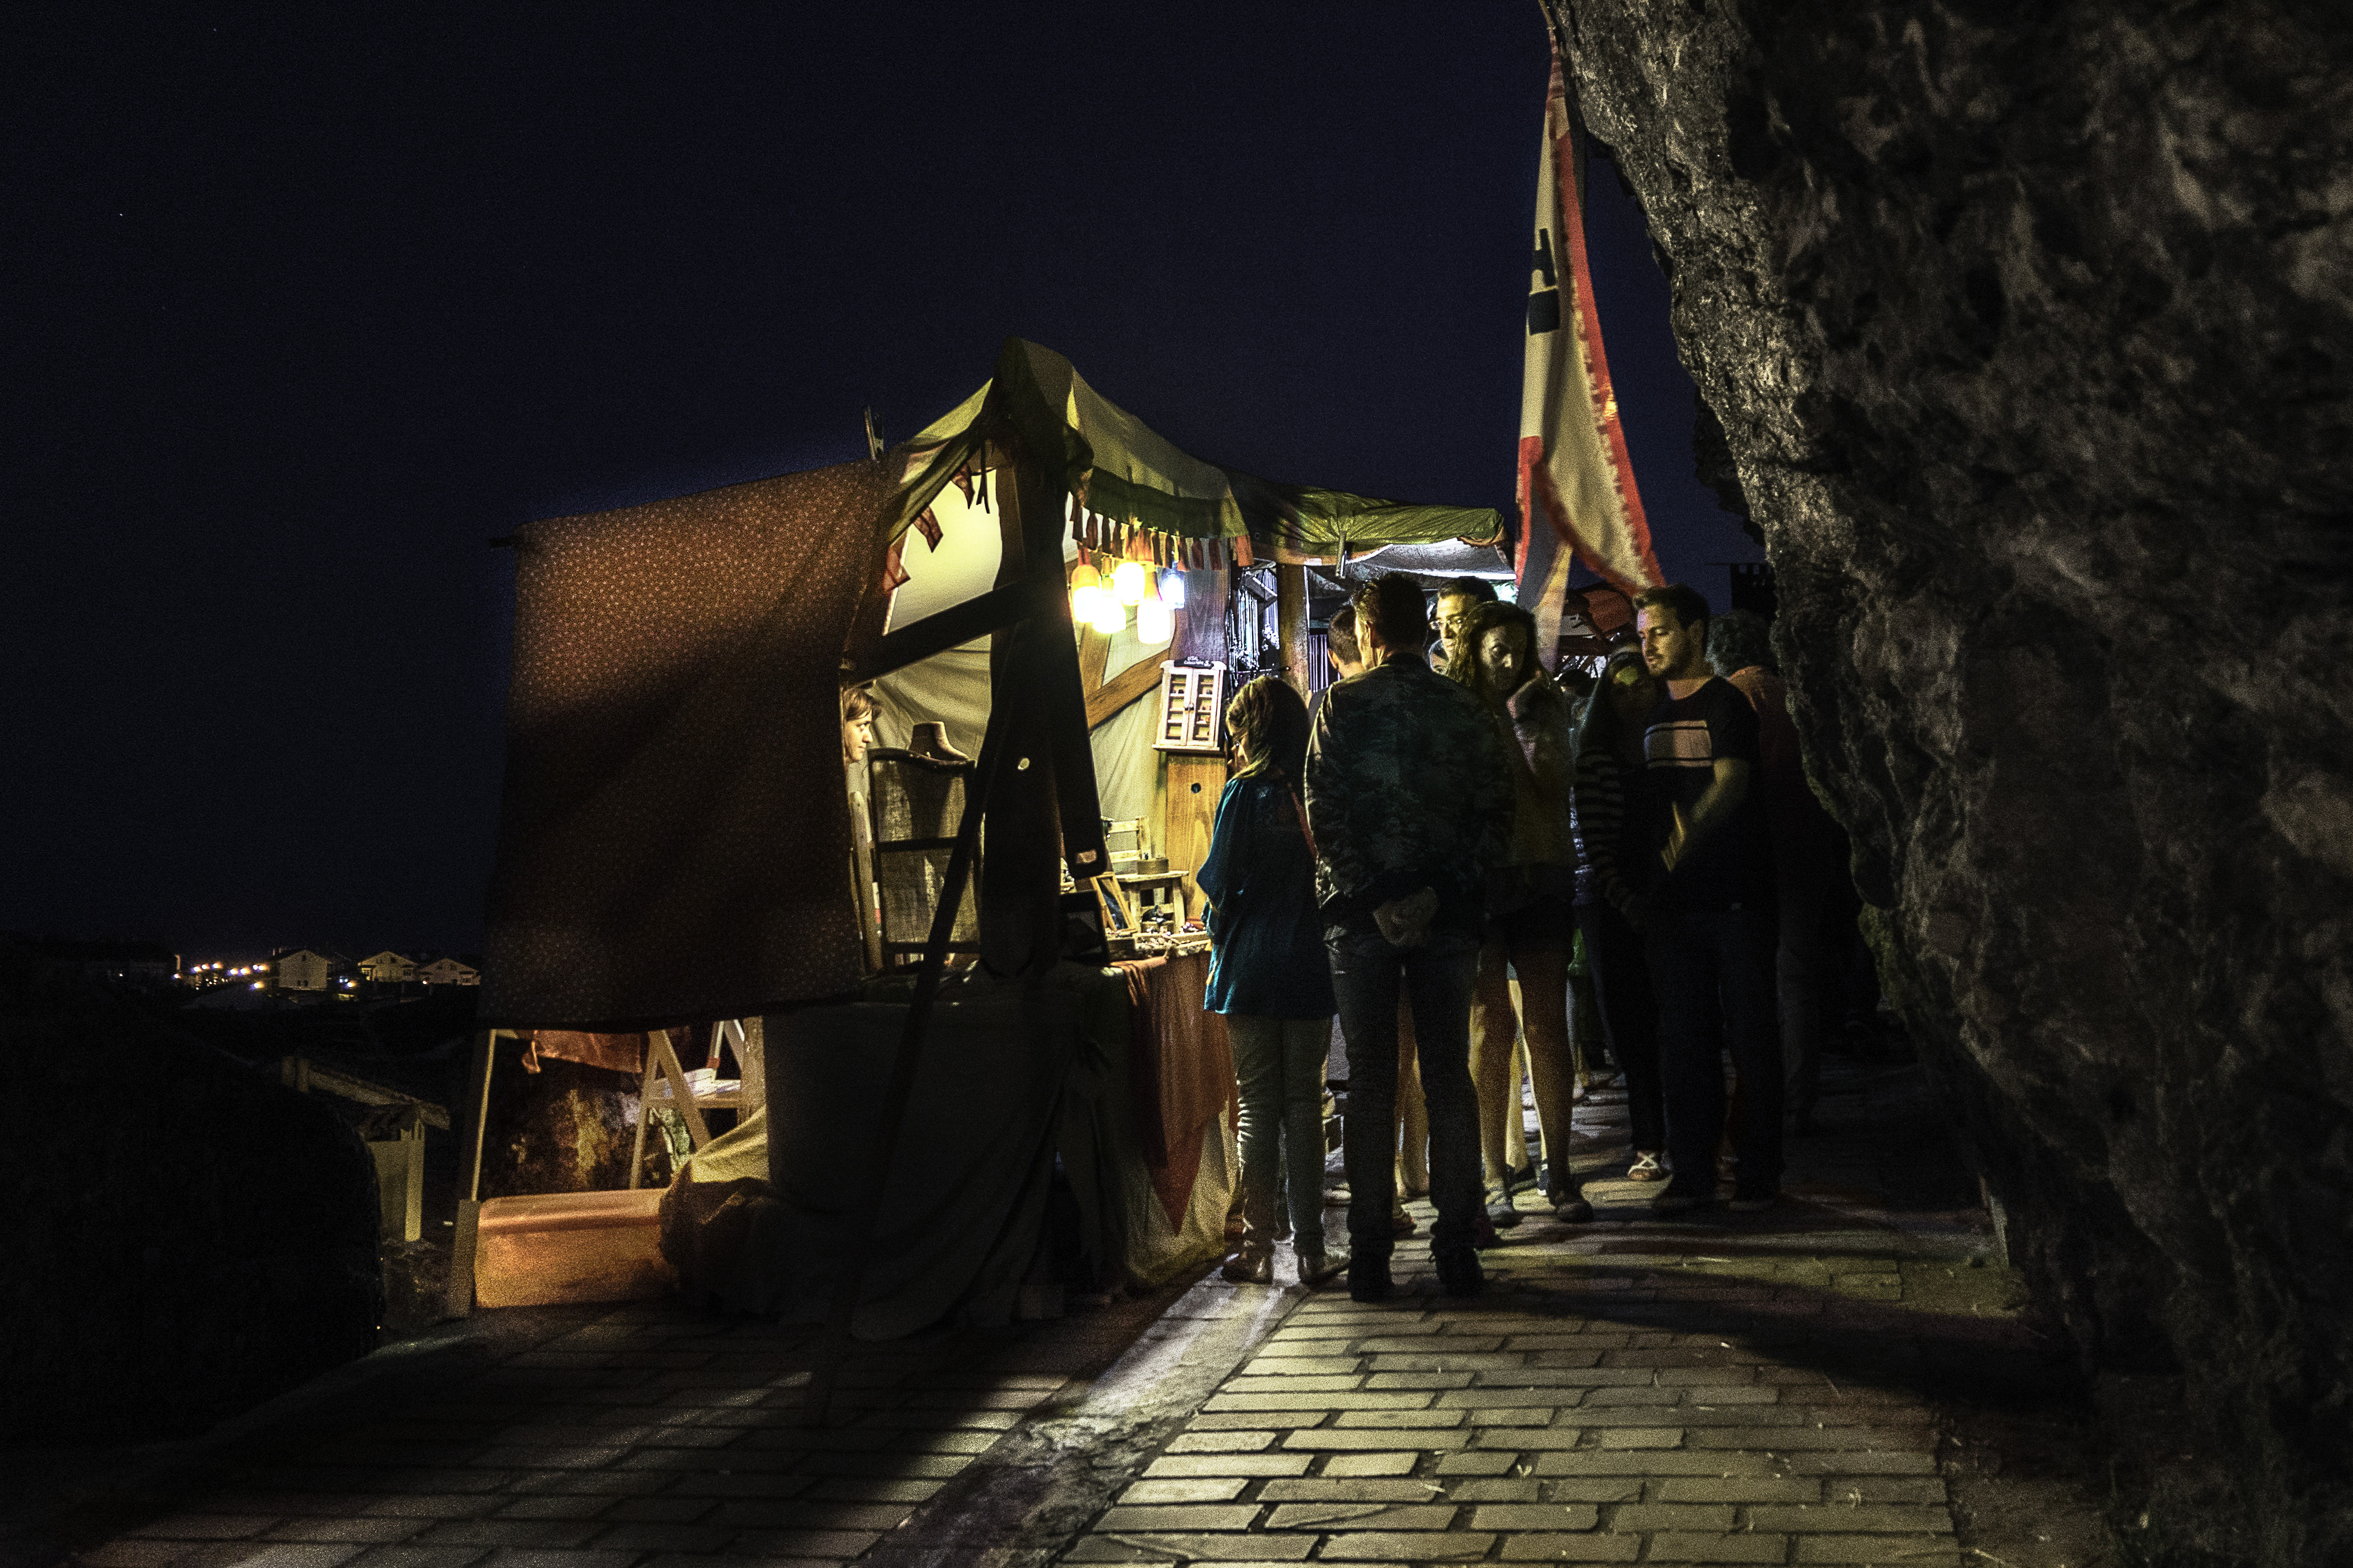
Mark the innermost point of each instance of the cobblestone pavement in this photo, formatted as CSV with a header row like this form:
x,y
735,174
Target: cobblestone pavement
x,y
1753,1389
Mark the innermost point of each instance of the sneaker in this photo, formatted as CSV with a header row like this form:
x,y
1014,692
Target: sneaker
x,y
1645,1168
1500,1212
1369,1279
1459,1273
1753,1201
1250,1267
1402,1223
1682,1197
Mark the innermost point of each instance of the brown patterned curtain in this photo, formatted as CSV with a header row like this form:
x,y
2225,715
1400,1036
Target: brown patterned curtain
x,y
673,834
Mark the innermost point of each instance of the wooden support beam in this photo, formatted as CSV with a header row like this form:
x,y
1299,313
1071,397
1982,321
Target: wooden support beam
x,y
473,1112
1291,623
1129,684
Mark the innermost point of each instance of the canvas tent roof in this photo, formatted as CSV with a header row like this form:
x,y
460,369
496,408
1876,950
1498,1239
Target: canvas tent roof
x,y
1119,467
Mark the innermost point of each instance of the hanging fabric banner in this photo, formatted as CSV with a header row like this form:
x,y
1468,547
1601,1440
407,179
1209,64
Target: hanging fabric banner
x,y
1573,463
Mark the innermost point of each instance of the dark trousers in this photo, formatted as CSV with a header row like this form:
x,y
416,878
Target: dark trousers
x,y
1367,976
1630,1016
1714,972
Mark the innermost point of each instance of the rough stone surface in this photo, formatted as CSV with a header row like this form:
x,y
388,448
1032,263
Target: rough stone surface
x,y
567,1128
2028,328
185,1237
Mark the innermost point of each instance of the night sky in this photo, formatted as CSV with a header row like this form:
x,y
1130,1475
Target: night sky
x,y
310,306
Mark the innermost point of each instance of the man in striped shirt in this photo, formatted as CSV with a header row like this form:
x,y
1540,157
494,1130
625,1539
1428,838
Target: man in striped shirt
x,y
1711,926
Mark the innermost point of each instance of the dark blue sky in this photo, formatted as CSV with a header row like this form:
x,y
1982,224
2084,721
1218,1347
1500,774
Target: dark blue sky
x,y
313,304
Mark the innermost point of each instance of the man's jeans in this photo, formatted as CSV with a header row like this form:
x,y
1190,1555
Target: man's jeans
x,y
1368,974
1712,970
1280,1062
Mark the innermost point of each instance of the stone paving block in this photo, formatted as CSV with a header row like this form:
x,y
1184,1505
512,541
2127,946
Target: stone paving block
x,y
1616,1398
1428,1344
126,1552
282,1554
1504,1398
1347,1465
1401,1420
1705,1394
758,1485
1704,1374
1304,1385
873,1489
554,1506
1648,1462
1236,1549
1512,1489
1184,1517
1255,1420
1475,1463
207,1527
1698,1548
1636,1518
663,1510
1351,1489
367,1531
1584,1360
419,1557
432,1507
1302,1365
1535,1516
556,1532
1221,1442
1228,1465
1418,1380
836,1543
1183,1489
947,1442
1814,1438
1737,1489
1317,1399
1524,1415
1566,1377
1594,1488
1864,1462
1465,1362
649,1536
1403,1546
1685,1414
1880,1518
1528,1438
1881,1550
1884,1488
1334,1439
1543,1547
525,1557
1362,1516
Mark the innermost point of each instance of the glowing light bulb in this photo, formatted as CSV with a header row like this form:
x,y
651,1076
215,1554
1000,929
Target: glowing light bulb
x,y
1154,623
1086,591
1172,589
1110,616
1128,582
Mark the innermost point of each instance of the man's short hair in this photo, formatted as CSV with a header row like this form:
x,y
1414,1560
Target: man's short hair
x,y
1340,637
1689,606
1392,605
1478,590
1739,640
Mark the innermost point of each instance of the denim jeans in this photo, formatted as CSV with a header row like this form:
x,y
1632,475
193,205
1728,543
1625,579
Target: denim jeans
x,y
1630,1016
1280,1062
1712,970
1367,975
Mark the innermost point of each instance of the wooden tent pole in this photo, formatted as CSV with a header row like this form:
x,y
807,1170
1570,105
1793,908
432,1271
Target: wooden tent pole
x,y
473,1111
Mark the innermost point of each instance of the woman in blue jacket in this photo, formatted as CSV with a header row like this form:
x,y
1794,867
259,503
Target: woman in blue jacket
x,y
1270,977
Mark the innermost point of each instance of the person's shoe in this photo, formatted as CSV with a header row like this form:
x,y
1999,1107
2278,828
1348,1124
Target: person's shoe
x,y
1402,1223
1645,1167
1572,1209
1500,1212
1753,1200
1459,1273
1683,1197
1369,1279
1317,1267
1336,1197
1252,1266
1520,1181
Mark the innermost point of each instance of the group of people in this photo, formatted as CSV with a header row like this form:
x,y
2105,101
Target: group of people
x,y
1454,819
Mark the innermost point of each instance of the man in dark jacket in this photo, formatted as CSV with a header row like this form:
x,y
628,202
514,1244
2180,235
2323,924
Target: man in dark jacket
x,y
1408,797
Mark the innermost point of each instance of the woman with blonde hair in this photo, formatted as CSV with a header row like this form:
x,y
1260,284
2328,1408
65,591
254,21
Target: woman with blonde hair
x,y
1270,976
1531,926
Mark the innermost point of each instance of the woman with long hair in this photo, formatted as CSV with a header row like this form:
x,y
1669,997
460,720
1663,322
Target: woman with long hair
x,y
1530,924
1610,809
1270,976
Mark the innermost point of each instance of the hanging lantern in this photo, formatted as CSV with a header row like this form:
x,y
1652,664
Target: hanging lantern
x,y
1172,588
1128,582
1086,591
1110,616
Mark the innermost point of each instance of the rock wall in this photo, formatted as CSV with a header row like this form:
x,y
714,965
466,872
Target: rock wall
x,y
2028,326
185,1237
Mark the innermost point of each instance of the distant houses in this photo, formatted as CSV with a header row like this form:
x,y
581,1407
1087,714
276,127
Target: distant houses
x,y
298,971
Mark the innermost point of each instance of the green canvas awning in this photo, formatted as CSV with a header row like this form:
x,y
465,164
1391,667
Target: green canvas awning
x,y
1122,470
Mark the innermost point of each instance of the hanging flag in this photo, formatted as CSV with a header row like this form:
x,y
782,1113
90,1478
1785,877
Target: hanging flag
x,y
1573,465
